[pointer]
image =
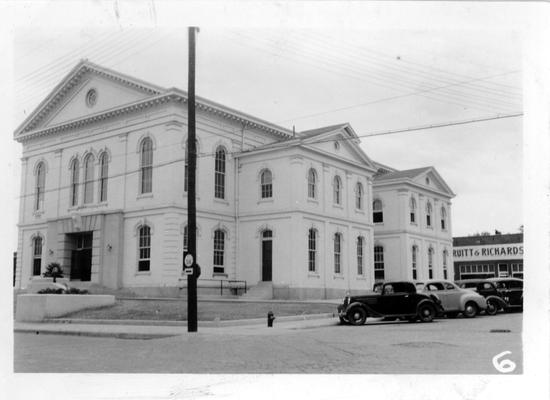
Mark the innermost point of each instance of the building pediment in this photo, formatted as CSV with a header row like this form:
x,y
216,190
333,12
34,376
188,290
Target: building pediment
x,y
88,89
427,178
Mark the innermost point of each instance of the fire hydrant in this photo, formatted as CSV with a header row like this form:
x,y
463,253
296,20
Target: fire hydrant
x,y
270,318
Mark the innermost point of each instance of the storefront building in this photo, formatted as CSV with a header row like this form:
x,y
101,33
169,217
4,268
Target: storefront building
x,y
488,256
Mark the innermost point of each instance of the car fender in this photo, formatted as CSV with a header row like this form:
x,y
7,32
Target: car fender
x,y
435,306
501,303
480,301
370,311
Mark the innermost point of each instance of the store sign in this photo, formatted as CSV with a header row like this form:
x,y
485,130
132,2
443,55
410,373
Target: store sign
x,y
489,252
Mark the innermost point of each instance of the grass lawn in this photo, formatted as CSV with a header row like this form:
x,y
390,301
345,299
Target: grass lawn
x,y
207,311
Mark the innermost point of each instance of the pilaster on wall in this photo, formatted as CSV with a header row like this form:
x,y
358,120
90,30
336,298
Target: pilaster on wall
x,y
19,261
172,249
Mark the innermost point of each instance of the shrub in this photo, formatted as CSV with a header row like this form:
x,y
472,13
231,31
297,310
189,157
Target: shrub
x,y
62,291
53,270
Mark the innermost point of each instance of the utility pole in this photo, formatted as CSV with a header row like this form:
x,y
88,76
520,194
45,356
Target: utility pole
x,y
190,259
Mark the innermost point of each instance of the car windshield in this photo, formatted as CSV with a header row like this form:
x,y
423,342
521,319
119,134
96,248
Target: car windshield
x,y
434,286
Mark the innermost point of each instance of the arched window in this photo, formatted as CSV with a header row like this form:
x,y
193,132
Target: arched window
x,y
360,250
378,263
445,255
337,198
37,256
359,196
40,186
377,213
414,259
337,253
266,182
219,250
219,174
430,263
89,179
146,166
312,250
103,176
412,206
443,218
428,214
311,184
144,259
74,182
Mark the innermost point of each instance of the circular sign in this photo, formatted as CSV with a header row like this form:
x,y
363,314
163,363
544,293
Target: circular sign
x,y
188,261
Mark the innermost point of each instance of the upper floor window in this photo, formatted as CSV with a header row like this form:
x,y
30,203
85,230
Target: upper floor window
x,y
266,182
103,175
414,260
40,186
219,174
360,250
146,166
379,263
359,196
337,253
443,218
337,190
428,214
144,248
412,206
219,251
311,184
37,256
312,250
89,179
75,169
377,213
430,263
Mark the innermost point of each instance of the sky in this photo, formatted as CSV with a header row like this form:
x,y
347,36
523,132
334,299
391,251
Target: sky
x,y
308,77
380,66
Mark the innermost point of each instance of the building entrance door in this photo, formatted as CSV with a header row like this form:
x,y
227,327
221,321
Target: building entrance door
x,y
267,255
502,270
81,257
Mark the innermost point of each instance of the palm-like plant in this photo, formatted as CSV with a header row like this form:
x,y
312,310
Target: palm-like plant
x,y
53,270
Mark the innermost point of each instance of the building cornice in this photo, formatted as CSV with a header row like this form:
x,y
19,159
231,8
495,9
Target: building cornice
x,y
410,183
172,96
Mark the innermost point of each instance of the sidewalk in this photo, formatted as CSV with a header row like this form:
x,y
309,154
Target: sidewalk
x,y
140,329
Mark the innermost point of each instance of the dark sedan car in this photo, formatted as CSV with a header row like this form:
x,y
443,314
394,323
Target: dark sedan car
x,y
501,293
395,299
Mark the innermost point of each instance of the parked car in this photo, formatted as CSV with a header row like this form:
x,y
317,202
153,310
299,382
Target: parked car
x,y
501,293
395,299
456,300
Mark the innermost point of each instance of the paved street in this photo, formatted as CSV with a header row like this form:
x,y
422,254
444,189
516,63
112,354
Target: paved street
x,y
445,346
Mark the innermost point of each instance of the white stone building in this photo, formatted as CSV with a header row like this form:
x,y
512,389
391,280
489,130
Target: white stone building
x,y
103,192
412,225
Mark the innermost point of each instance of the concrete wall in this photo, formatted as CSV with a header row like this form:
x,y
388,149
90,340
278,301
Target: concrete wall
x,y
37,307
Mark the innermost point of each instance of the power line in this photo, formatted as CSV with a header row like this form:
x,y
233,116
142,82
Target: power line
x,y
212,154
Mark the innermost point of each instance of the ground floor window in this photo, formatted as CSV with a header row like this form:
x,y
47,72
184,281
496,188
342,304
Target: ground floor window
x,y
378,263
144,261
517,271
219,250
337,253
312,250
480,271
360,248
37,256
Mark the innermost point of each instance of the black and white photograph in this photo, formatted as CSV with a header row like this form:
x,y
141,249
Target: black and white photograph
x,y
282,198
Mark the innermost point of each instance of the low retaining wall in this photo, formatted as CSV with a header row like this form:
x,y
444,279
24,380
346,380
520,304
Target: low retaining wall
x,y
37,307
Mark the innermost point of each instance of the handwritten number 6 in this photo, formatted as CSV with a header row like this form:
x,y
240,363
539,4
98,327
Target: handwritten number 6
x,y
505,365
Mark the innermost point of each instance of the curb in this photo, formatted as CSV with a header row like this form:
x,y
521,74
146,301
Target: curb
x,y
117,335
210,324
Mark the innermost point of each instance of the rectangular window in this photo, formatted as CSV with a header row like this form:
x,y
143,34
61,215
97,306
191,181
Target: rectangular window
x,y
337,253
312,250
144,261
412,218
377,217
103,173
378,263
37,256
219,247
360,255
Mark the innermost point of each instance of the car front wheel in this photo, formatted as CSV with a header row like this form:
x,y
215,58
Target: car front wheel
x,y
470,310
426,313
357,316
492,307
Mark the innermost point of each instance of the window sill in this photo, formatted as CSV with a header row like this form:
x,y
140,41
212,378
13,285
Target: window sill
x,y
361,278
38,213
378,223
219,275
144,196
140,273
312,200
221,201
268,200
341,207
313,275
359,211
338,276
